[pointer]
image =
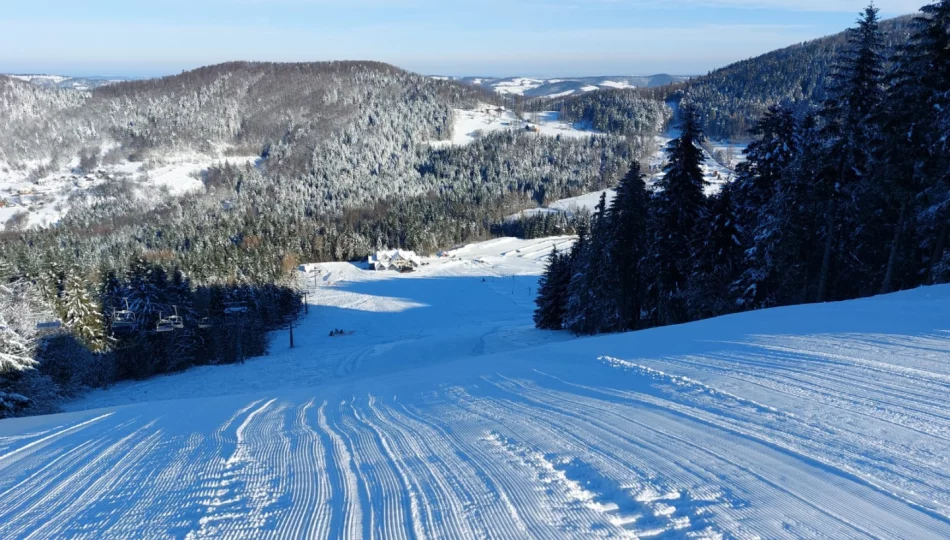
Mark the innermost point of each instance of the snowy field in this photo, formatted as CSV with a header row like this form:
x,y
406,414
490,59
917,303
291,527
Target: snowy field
x,y
46,198
443,413
485,119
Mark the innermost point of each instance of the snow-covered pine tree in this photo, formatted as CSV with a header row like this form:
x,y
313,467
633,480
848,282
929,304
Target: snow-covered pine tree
x,y
629,240
759,196
81,312
551,294
16,352
605,315
21,308
852,115
718,261
680,207
580,300
917,166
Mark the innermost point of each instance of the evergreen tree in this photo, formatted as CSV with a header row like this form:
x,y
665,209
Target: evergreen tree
x,y
21,308
552,293
680,207
580,310
629,242
602,273
16,351
81,312
916,148
767,159
718,260
761,197
852,129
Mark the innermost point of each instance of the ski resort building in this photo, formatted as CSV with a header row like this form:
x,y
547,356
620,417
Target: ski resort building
x,y
398,260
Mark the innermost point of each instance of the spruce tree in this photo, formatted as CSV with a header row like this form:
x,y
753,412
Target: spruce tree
x,y
916,150
718,261
81,312
680,209
551,295
761,197
579,313
852,116
605,314
629,243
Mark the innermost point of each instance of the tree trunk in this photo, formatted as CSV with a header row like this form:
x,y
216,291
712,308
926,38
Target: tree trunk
x,y
895,248
829,245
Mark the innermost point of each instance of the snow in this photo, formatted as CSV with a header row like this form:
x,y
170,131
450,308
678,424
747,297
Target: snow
x,y
572,205
47,199
517,86
617,84
53,79
485,119
445,414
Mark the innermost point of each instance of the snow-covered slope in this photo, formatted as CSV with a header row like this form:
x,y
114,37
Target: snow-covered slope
x,y
566,86
469,125
41,200
443,413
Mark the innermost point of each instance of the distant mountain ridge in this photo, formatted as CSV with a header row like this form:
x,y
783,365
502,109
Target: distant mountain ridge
x,y
566,86
66,82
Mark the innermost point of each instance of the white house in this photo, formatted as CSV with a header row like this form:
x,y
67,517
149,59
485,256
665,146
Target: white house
x,y
398,259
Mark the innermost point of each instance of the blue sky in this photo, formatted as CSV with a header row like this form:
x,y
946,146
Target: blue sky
x,y
451,37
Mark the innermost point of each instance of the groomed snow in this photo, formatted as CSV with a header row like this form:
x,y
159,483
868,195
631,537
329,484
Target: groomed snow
x,y
445,414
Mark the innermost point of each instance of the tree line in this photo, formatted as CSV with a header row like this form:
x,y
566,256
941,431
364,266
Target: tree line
x,y
840,201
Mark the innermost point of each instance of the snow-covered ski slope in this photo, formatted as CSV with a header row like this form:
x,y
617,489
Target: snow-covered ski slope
x,y
443,414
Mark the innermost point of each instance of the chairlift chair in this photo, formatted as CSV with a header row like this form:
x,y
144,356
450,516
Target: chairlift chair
x,y
175,320
123,319
204,323
164,324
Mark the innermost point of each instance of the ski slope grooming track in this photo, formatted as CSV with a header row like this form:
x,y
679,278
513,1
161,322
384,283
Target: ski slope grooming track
x,y
442,413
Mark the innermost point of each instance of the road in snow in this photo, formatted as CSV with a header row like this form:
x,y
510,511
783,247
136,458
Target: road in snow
x,y
446,415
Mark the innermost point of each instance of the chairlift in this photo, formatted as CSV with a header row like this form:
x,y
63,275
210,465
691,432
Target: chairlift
x,y
123,319
175,320
164,324
204,323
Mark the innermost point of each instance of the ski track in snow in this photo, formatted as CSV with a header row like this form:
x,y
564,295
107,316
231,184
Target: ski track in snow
x,y
444,415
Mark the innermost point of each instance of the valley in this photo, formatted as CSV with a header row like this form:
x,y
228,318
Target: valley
x,y
300,297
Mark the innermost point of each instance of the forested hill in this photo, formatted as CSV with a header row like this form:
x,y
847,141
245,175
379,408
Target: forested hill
x,y
238,104
732,98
